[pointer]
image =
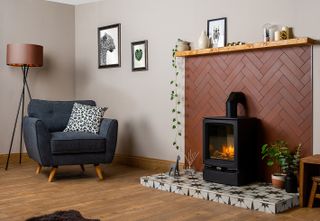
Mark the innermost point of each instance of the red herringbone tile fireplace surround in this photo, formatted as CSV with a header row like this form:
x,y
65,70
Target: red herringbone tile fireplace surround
x,y
277,84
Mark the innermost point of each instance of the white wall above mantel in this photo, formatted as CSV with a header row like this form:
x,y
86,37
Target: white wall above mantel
x,y
140,101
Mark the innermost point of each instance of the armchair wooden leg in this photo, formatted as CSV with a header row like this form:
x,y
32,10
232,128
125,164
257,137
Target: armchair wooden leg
x,y
38,170
99,172
52,173
82,167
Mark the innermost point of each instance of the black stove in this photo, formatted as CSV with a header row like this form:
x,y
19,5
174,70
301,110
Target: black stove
x,y
230,145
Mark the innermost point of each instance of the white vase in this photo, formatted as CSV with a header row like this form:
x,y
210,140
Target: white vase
x,y
203,41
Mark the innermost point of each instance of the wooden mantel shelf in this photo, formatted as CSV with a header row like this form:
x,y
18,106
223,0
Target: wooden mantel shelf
x,y
248,46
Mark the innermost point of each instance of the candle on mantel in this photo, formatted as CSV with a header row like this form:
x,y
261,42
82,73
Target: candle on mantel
x,y
286,29
277,35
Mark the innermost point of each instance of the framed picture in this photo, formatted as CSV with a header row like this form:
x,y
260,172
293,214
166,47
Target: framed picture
x,y
109,46
139,54
217,32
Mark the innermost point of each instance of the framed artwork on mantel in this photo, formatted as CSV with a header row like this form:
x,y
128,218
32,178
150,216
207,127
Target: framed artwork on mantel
x,y
109,46
217,32
139,54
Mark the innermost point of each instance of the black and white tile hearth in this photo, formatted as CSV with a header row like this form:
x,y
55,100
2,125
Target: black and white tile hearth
x,y
259,196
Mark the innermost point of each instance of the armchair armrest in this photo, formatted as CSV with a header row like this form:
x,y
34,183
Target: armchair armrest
x,y
109,130
37,140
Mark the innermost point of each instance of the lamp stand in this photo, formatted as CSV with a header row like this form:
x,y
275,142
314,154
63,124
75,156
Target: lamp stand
x,y
25,69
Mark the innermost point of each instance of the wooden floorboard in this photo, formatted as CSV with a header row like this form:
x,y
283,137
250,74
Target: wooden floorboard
x,y
24,194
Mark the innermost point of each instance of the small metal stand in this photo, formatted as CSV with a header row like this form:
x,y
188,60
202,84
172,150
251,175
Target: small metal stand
x,y
25,69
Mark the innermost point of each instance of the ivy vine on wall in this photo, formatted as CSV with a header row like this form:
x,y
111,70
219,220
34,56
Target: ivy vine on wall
x,y
176,98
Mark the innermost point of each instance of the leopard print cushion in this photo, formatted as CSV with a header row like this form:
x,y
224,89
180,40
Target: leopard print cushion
x,y
85,118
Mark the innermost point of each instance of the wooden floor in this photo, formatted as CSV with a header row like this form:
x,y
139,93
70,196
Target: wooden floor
x,y
119,197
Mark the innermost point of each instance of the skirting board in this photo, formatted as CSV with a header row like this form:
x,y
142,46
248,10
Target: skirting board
x,y
134,161
14,158
144,162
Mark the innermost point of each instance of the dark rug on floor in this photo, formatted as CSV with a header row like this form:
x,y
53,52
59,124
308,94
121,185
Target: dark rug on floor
x,y
70,215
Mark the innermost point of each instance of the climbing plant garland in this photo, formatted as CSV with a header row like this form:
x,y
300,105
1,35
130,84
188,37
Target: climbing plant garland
x,y
175,96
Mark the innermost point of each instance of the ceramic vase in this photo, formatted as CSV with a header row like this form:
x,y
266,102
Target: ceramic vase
x,y
278,180
203,41
291,183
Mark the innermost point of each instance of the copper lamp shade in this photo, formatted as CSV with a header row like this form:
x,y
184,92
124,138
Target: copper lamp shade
x,y
30,55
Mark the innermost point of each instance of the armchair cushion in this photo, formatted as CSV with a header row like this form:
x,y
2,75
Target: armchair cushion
x,y
77,143
54,114
85,118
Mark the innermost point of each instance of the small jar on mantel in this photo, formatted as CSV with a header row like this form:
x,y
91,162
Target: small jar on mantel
x,y
286,32
266,33
272,30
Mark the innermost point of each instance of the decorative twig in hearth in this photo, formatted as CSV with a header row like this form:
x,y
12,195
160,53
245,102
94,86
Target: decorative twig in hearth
x,y
190,158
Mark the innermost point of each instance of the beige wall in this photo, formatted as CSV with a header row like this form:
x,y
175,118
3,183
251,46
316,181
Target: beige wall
x,y
140,100
39,22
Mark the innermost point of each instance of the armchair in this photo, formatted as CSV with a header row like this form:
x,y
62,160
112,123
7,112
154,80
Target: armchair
x,y
50,147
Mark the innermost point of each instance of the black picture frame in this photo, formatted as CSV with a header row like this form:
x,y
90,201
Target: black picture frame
x,y
139,55
220,23
109,46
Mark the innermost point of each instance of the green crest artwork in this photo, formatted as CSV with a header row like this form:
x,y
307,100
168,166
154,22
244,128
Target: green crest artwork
x,y
138,54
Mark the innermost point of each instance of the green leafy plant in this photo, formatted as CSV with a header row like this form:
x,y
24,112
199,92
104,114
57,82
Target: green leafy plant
x,y
175,96
278,152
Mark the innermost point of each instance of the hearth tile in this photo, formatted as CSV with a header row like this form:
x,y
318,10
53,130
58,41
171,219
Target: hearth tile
x,y
146,181
216,197
197,185
260,197
160,185
193,178
264,207
216,189
287,204
180,190
161,176
226,199
198,194
219,197
284,205
295,200
205,185
177,181
240,202
234,192
248,203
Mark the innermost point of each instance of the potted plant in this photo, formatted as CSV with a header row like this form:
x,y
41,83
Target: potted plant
x,y
278,152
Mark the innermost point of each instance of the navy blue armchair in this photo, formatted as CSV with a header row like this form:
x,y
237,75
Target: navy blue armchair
x,y
50,147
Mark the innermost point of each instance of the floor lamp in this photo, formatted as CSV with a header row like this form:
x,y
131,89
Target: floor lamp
x,y
24,56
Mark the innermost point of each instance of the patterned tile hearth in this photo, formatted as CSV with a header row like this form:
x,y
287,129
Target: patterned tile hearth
x,y
258,196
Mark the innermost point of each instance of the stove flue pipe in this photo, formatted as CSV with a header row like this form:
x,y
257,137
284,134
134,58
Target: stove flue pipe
x,y
232,103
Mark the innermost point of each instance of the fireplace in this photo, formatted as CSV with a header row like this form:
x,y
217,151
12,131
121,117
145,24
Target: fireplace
x,y
230,145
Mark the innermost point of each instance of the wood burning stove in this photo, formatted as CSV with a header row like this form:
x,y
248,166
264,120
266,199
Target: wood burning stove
x,y
230,145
